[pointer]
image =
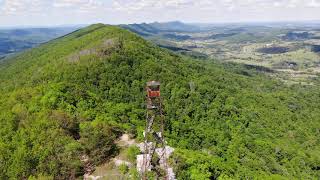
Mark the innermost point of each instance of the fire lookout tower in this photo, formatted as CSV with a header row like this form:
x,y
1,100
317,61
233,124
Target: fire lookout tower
x,y
154,155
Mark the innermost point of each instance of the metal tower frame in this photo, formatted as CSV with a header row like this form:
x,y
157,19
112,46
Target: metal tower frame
x,y
154,132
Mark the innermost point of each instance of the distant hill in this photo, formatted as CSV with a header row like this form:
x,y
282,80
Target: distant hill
x,y
295,36
16,40
315,48
64,103
175,26
163,34
145,29
142,29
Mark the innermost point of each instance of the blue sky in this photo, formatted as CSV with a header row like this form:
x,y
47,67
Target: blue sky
x,y
61,12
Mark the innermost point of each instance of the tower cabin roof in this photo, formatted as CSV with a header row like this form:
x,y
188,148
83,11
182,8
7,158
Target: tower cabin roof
x,y
153,83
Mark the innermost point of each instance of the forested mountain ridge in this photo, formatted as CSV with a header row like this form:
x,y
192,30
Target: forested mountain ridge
x,y
75,95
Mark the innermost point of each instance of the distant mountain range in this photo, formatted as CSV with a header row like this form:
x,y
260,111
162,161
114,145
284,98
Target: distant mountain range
x,y
19,39
156,27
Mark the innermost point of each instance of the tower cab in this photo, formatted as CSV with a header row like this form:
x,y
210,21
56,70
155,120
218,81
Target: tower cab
x,y
153,89
153,93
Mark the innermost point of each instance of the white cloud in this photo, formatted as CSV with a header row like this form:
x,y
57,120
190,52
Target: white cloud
x,y
12,6
126,11
15,7
137,5
79,5
75,3
314,4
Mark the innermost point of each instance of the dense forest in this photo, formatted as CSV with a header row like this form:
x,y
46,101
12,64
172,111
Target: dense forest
x,y
73,96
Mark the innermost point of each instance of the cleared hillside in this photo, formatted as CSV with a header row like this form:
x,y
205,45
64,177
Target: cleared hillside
x,y
75,95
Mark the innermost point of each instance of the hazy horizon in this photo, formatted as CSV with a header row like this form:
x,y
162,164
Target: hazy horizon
x,y
37,13
308,22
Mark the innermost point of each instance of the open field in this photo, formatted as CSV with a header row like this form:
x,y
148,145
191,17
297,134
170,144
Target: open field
x,y
292,59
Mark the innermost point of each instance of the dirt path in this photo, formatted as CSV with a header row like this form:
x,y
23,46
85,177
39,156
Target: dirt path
x,y
109,170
